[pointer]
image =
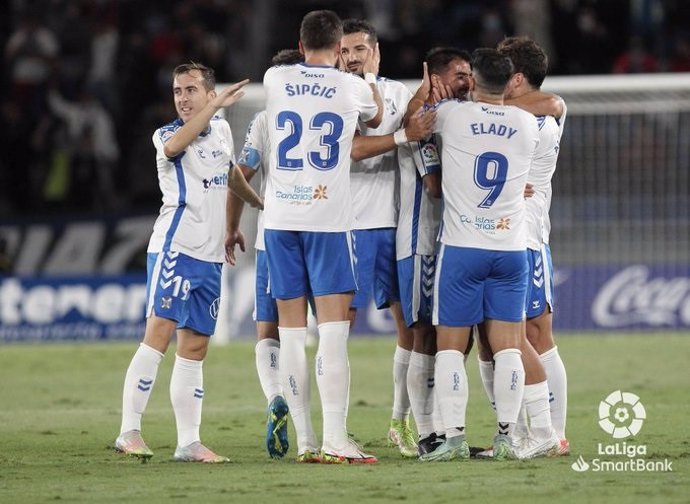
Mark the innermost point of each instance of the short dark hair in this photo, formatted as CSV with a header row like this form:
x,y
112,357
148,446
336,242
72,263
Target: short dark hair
x,y
491,69
438,58
287,57
321,29
528,58
360,26
208,74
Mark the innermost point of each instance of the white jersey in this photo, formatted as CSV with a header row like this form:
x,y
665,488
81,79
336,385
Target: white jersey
x,y
486,154
255,154
375,180
312,113
420,213
540,175
194,185
549,193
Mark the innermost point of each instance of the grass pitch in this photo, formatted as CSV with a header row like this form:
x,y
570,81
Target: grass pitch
x,y
59,414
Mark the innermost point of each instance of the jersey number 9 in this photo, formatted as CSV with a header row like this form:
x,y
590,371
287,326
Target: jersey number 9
x,y
490,173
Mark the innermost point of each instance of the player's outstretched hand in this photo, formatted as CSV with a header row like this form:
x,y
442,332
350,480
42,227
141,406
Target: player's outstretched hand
x,y
420,125
424,89
231,239
230,94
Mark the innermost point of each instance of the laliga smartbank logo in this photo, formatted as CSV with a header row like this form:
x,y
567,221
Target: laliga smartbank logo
x,y
621,414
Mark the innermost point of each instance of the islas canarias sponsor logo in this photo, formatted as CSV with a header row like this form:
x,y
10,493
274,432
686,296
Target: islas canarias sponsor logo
x,y
485,224
303,194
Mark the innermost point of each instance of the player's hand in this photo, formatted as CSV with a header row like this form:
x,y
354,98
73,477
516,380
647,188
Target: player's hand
x,y
230,94
440,91
371,64
260,206
341,65
231,239
420,125
529,190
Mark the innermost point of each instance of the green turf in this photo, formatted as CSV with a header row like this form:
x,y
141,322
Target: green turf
x,y
59,412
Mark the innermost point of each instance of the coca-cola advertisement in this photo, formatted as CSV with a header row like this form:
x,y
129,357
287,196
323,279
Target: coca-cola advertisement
x,y
636,296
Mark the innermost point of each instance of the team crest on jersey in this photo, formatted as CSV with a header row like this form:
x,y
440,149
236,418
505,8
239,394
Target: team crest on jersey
x,y
320,192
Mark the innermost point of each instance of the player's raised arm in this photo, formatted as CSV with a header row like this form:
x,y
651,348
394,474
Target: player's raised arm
x,y
539,103
186,90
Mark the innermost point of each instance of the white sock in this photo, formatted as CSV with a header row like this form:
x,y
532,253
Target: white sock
x,y
521,426
187,397
333,380
451,386
536,401
139,382
558,389
436,416
267,367
401,399
509,387
420,386
486,371
294,374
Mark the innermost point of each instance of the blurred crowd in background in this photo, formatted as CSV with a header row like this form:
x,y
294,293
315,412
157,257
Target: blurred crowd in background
x,y
86,82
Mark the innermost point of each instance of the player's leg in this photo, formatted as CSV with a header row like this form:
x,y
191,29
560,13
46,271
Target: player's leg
x,y
457,307
267,353
330,262
504,298
450,384
289,285
415,280
539,439
143,368
201,293
400,432
386,293
540,335
486,363
420,385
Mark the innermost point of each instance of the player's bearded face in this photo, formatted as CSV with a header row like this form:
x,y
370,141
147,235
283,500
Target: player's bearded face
x,y
354,51
457,76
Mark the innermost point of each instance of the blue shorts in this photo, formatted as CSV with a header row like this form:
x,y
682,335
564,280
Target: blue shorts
x,y
304,262
377,275
265,309
183,289
472,285
539,281
416,278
